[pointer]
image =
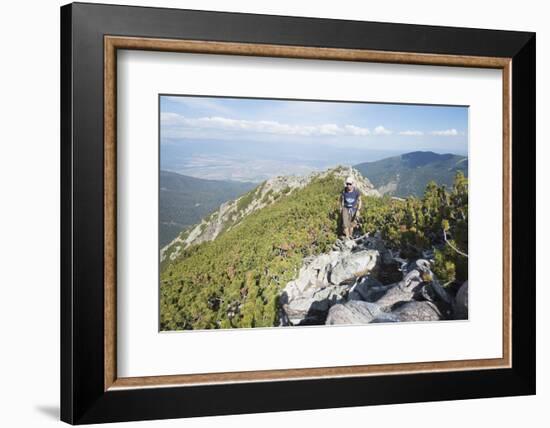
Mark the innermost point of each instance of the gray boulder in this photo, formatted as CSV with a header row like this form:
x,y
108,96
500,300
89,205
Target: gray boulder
x,y
339,287
441,292
417,311
393,295
368,289
353,265
460,304
385,317
408,287
306,299
311,307
352,312
377,243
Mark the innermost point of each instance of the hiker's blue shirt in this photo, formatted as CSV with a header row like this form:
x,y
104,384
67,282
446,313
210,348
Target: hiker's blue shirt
x,y
350,198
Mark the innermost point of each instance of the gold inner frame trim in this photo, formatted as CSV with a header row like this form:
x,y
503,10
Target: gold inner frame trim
x,y
113,43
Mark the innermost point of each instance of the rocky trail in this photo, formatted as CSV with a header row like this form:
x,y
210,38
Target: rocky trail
x,y
361,281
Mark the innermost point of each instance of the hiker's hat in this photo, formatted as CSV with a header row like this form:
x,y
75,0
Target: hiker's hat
x,y
349,180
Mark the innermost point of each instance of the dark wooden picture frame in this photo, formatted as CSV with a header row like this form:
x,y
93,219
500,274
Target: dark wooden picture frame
x,y
90,389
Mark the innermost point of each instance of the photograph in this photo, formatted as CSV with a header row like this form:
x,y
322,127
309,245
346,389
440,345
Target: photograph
x,y
291,212
272,211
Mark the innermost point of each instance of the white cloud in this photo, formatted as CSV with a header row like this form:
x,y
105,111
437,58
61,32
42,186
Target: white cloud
x,y
217,123
380,130
410,132
445,133
327,129
356,130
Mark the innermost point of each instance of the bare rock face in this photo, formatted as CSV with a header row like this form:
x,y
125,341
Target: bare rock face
x,y
406,289
353,266
353,312
460,304
310,307
371,302
340,287
417,311
393,295
368,289
307,299
361,312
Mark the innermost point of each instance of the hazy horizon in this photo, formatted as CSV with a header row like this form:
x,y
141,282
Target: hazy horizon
x,y
252,140
215,171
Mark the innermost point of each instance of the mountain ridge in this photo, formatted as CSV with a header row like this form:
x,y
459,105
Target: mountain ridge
x,y
230,213
184,200
408,174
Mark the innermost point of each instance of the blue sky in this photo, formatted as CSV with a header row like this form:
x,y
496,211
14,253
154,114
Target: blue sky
x,y
311,134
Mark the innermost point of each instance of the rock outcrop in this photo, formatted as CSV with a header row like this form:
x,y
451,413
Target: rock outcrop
x,y
342,287
460,304
322,282
353,312
352,266
417,311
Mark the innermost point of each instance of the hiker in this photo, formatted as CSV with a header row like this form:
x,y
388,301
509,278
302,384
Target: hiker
x,y
350,204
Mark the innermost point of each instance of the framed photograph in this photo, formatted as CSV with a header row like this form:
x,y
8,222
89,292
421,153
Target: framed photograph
x,y
266,213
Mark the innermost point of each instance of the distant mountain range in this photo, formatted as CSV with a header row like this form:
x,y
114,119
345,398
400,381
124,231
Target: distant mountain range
x,y
185,200
408,174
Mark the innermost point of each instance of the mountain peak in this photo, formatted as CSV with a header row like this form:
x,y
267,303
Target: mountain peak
x,y
362,183
420,158
409,173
